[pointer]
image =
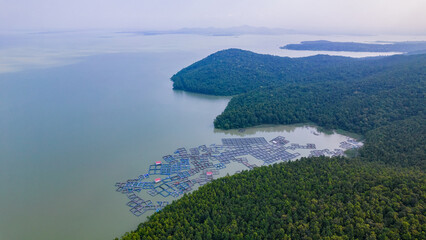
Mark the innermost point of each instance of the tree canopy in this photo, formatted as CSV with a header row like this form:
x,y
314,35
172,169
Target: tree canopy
x,y
308,199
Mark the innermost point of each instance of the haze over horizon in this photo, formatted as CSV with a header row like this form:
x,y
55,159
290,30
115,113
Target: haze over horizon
x,y
327,16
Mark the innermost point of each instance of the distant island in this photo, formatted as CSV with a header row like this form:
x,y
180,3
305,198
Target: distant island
x,y
323,45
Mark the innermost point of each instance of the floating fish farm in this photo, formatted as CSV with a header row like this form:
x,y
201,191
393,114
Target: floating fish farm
x,y
180,172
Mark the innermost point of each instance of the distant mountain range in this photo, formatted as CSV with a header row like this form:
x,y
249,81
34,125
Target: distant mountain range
x,y
212,31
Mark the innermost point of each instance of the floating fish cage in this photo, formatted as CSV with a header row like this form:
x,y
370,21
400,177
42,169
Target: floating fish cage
x,y
179,172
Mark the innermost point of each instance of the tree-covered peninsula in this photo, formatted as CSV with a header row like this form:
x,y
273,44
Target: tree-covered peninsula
x,y
380,193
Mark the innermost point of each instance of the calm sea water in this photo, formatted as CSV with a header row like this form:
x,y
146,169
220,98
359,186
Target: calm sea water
x,y
78,114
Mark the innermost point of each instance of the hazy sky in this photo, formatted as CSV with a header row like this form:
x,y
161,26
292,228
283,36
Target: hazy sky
x,y
358,16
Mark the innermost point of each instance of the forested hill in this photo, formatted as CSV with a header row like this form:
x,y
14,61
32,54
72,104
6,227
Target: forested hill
x,y
356,95
322,45
236,71
357,105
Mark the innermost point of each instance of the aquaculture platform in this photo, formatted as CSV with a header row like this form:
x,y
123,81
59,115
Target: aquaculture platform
x,y
180,172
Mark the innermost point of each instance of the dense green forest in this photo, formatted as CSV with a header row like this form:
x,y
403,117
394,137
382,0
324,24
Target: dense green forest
x,y
322,45
378,194
399,143
235,71
357,105
308,199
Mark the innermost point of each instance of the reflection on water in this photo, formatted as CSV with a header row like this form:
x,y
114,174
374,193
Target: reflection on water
x,y
184,94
